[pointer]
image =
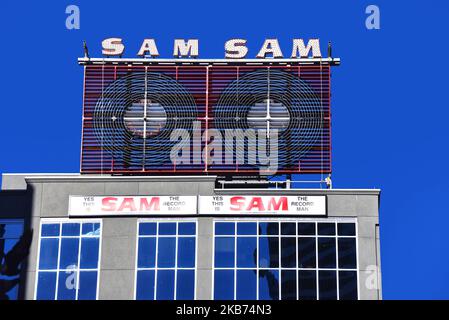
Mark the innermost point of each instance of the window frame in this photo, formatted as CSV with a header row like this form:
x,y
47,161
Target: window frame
x,y
296,220
62,221
175,268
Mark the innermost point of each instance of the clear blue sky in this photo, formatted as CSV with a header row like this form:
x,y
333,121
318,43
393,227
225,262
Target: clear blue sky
x,y
390,108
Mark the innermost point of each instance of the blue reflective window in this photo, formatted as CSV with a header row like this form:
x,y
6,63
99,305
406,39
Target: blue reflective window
x,y
187,228
246,252
185,285
224,252
246,228
269,228
166,261
89,253
87,285
50,230
145,285
224,285
225,228
91,229
268,284
285,260
147,228
67,285
48,258
69,253
186,252
246,285
166,252
146,253
46,286
165,285
268,252
167,228
71,229
73,258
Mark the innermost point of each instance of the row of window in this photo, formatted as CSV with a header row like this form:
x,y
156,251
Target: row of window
x,y
262,260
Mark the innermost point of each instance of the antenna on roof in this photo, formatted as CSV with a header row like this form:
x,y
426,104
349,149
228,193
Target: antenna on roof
x,y
329,50
86,51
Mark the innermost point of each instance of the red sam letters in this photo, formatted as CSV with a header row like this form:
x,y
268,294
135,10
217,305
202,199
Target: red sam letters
x,y
129,204
242,203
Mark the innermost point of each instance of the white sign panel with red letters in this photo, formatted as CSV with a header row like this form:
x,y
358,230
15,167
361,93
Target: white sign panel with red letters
x,y
132,205
257,205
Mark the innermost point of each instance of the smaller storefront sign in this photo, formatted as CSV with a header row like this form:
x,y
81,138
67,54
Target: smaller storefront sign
x,y
272,205
132,205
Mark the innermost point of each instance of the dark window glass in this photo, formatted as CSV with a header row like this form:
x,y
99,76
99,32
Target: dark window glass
x,y
89,253
186,252
268,284
346,229
165,285
166,252
326,229
269,228
224,252
288,285
306,228
268,252
347,283
225,228
187,228
327,285
88,285
246,252
306,252
288,250
50,230
167,228
91,229
326,253
67,285
69,253
46,286
48,258
185,285
70,229
10,230
307,284
246,228
224,285
147,229
347,257
246,285
145,285
147,252
288,228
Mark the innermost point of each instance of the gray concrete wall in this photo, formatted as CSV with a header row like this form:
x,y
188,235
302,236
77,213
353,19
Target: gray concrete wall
x,y
48,196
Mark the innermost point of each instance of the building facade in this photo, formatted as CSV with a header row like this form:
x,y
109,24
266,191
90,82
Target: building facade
x,y
196,254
